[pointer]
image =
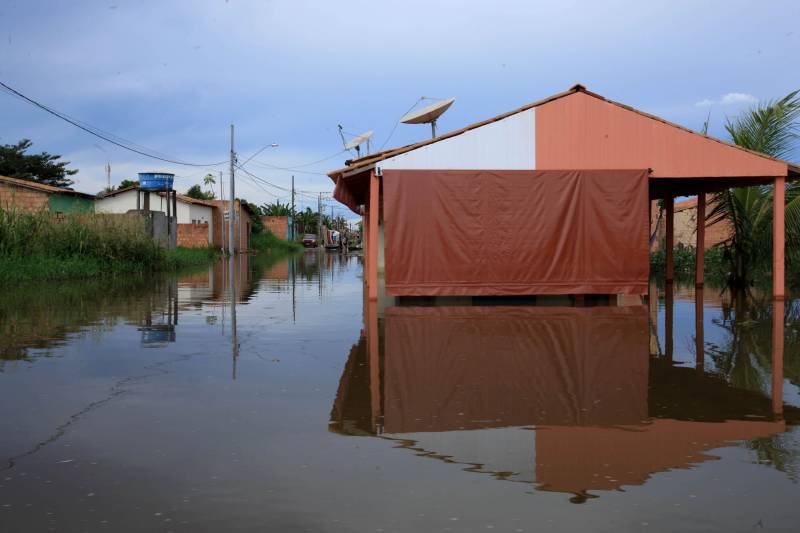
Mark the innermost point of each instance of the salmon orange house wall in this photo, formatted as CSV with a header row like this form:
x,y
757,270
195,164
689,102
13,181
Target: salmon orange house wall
x,y
576,133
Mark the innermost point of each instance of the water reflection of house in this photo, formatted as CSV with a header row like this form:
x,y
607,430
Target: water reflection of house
x,y
467,385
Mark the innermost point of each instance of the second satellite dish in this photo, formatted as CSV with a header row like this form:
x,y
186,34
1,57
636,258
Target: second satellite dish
x,y
356,141
428,114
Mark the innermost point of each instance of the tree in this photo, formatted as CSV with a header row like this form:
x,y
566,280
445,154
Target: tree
x,y
42,168
124,184
197,193
772,129
307,221
277,209
209,181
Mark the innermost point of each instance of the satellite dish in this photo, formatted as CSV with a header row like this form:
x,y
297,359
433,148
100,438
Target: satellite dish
x,y
356,141
428,114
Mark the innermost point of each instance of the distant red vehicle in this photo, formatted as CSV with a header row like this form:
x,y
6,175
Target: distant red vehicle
x,y
310,240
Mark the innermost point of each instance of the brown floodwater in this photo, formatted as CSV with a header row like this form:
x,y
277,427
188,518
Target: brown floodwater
x,y
153,404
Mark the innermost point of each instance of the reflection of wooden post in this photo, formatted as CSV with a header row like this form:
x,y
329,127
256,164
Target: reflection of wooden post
x,y
365,248
670,241
778,237
700,250
777,357
668,315
374,214
373,346
652,304
699,330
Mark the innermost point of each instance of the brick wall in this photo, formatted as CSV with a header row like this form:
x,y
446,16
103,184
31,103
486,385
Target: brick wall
x,y
686,225
278,226
193,235
22,199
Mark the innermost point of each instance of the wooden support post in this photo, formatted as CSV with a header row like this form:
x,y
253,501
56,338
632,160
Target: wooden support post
x,y
699,330
670,241
374,215
777,357
778,238
365,247
700,257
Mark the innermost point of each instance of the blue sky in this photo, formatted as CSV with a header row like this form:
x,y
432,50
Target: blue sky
x,y
172,76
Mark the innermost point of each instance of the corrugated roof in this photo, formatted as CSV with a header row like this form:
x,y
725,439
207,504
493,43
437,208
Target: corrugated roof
x,y
50,189
371,159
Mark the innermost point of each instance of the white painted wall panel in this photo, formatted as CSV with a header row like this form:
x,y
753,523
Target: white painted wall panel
x,y
121,203
508,144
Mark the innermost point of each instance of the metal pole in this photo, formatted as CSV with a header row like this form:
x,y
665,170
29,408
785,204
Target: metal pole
x,y
319,216
231,211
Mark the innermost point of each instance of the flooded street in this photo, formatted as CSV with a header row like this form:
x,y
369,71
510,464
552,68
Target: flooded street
x,y
130,405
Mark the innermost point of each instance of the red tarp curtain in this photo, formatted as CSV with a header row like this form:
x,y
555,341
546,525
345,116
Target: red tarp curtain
x,y
515,232
449,368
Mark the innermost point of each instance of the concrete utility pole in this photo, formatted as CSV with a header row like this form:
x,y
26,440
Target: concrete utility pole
x,y
291,229
222,224
231,211
319,217
108,175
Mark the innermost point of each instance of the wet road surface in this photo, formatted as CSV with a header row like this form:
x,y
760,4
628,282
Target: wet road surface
x,y
129,405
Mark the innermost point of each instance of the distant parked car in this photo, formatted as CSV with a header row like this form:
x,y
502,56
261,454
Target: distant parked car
x,y
310,240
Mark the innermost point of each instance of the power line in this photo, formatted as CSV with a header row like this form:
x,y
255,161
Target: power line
x,y
91,131
303,165
269,183
398,122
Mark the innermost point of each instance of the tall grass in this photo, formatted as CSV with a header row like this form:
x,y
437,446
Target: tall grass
x,y
267,241
110,238
42,245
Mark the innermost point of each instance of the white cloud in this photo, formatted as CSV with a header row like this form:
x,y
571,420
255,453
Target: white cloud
x,y
738,98
728,99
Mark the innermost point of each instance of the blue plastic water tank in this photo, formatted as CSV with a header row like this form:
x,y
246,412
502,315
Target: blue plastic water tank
x,y
156,181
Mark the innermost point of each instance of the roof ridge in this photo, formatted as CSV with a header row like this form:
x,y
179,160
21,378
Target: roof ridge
x,y
386,154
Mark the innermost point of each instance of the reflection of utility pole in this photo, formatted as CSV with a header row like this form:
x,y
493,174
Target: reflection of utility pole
x,y
294,299
232,295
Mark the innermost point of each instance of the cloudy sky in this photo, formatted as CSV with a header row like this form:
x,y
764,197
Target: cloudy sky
x,y
172,76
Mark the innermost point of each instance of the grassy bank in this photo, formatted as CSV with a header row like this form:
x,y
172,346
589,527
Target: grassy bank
x,y
266,241
43,246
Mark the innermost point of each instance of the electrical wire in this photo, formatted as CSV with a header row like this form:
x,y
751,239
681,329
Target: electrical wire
x,y
106,137
398,122
293,167
307,194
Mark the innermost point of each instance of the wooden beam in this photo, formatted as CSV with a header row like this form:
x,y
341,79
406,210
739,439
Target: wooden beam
x,y
778,238
700,246
670,241
374,215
